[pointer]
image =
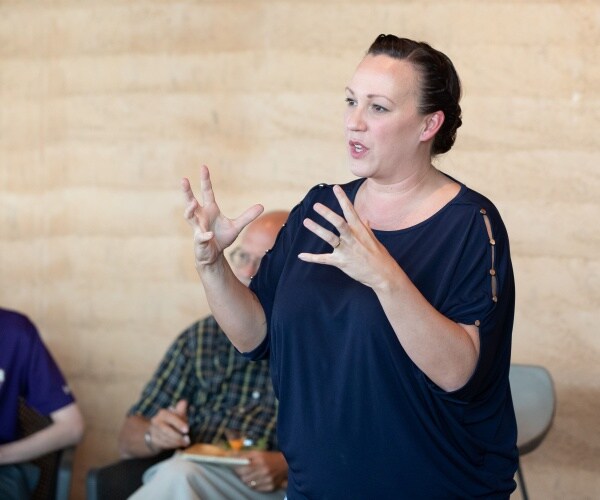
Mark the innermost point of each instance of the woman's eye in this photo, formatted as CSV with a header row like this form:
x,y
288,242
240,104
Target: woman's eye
x,y
350,101
379,109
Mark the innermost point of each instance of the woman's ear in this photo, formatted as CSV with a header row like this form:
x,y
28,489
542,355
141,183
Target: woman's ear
x,y
433,122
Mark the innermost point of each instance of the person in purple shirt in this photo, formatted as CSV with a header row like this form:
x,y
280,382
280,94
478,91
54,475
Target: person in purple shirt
x,y
28,371
386,304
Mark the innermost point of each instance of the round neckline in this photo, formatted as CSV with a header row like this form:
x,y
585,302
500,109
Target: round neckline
x,y
461,191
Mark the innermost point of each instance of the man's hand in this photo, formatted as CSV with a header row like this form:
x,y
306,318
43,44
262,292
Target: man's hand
x,y
169,428
267,471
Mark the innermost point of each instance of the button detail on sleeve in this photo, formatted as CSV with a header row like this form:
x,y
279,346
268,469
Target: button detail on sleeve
x,y
488,227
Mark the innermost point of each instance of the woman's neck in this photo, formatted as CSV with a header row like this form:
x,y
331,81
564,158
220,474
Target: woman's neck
x,y
402,204
403,186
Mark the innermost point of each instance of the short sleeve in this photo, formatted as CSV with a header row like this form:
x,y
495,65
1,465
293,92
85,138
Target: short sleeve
x,y
46,389
472,293
264,283
483,294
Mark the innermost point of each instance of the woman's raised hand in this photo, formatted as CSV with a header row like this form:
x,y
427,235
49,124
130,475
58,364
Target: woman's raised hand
x,y
356,250
213,232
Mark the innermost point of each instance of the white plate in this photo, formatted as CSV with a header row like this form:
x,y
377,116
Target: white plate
x,y
212,459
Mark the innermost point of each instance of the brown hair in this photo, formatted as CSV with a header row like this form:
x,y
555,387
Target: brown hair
x,y
438,80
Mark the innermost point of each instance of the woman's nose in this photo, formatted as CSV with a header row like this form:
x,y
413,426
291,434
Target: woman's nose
x,y
354,119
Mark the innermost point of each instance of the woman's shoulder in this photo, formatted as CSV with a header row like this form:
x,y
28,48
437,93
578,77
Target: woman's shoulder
x,y
468,196
473,205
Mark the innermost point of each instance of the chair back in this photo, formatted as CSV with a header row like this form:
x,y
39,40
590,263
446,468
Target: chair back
x,y
119,480
55,467
534,400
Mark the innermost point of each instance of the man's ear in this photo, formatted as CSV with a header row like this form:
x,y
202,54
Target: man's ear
x,y
432,124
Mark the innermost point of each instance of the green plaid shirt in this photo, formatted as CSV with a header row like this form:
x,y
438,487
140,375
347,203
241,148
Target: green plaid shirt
x,y
223,389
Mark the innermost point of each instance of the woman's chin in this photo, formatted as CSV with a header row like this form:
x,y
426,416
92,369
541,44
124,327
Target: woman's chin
x,y
358,168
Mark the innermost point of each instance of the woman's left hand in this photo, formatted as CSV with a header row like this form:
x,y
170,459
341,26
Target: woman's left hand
x,y
356,250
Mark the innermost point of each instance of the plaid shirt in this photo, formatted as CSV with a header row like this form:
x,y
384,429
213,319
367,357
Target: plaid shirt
x,y
223,389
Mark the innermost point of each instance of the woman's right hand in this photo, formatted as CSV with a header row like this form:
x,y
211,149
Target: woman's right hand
x,y
213,232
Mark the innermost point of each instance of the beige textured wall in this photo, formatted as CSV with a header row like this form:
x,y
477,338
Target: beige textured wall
x,y
105,105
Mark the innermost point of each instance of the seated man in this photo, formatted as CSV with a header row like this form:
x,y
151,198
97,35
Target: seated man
x,y
202,388
28,371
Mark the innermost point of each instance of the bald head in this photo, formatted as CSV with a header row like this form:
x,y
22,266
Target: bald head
x,y
265,228
258,237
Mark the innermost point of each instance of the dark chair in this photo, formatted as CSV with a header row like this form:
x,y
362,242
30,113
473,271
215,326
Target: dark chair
x,y
56,468
117,481
534,401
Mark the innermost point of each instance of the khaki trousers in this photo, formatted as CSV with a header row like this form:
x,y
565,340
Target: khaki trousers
x,y
186,480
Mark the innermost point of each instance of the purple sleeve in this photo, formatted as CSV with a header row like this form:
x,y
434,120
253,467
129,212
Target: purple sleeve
x,y
45,387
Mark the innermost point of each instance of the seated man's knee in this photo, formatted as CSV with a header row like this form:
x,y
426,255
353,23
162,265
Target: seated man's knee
x,y
179,468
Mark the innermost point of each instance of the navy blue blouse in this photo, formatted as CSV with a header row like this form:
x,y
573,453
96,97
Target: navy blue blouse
x,y
357,418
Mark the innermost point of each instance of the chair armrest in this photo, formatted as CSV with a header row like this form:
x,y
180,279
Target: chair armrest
x,y
117,481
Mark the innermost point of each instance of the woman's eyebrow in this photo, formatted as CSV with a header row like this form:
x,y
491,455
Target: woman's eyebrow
x,y
372,96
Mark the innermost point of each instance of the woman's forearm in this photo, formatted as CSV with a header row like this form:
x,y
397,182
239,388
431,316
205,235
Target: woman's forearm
x,y
444,350
235,307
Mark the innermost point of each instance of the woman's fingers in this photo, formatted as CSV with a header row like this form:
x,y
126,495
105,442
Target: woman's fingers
x,y
201,237
350,227
330,216
321,232
205,217
348,223
190,210
206,190
350,215
186,188
191,202
195,212
336,220
248,216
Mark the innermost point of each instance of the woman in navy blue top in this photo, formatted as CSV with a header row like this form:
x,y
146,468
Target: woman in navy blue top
x,y
385,306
